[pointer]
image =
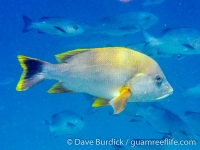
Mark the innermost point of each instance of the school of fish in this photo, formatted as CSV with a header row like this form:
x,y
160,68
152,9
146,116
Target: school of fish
x,y
120,74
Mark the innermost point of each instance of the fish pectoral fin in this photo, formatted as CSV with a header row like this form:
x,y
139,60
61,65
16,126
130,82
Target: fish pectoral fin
x,y
166,135
70,124
189,46
128,28
100,102
137,118
59,88
60,29
119,102
40,32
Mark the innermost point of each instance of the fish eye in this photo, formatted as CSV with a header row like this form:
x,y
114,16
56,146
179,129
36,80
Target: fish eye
x,y
75,27
158,79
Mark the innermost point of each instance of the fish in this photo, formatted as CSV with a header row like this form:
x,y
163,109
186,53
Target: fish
x,y
193,120
6,80
124,24
57,26
113,75
164,121
152,2
65,123
172,41
192,92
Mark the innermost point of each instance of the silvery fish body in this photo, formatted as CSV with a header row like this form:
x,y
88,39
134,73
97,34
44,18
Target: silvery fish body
x,y
65,123
57,26
177,41
164,121
193,120
113,75
125,24
191,92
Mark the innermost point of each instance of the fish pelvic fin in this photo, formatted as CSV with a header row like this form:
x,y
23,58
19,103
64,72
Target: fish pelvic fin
x,y
32,72
100,102
119,102
27,24
59,88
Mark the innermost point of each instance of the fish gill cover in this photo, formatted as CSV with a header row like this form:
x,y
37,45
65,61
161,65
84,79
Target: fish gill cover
x,y
165,31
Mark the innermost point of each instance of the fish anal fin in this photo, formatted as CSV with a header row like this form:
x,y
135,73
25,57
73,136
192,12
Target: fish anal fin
x,y
119,102
59,88
100,102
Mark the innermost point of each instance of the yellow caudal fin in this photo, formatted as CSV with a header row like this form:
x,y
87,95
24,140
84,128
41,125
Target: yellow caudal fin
x,y
119,102
59,88
32,72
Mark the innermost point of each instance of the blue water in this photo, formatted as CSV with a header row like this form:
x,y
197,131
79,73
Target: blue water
x,y
22,114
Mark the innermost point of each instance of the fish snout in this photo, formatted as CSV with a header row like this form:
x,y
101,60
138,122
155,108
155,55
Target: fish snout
x,y
167,92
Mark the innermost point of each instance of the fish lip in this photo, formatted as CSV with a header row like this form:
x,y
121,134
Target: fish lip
x,y
164,96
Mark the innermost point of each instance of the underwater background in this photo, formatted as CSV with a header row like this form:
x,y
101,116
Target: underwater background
x,y
23,114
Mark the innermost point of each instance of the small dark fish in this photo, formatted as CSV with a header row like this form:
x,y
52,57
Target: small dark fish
x,y
65,123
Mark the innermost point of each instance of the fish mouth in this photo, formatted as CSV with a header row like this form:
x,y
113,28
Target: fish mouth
x,y
165,96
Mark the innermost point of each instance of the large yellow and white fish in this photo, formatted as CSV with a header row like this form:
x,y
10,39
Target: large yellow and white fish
x,y
113,75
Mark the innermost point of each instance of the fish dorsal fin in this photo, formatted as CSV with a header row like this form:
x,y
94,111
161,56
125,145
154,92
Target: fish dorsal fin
x,y
47,18
43,18
63,57
59,88
187,113
171,30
